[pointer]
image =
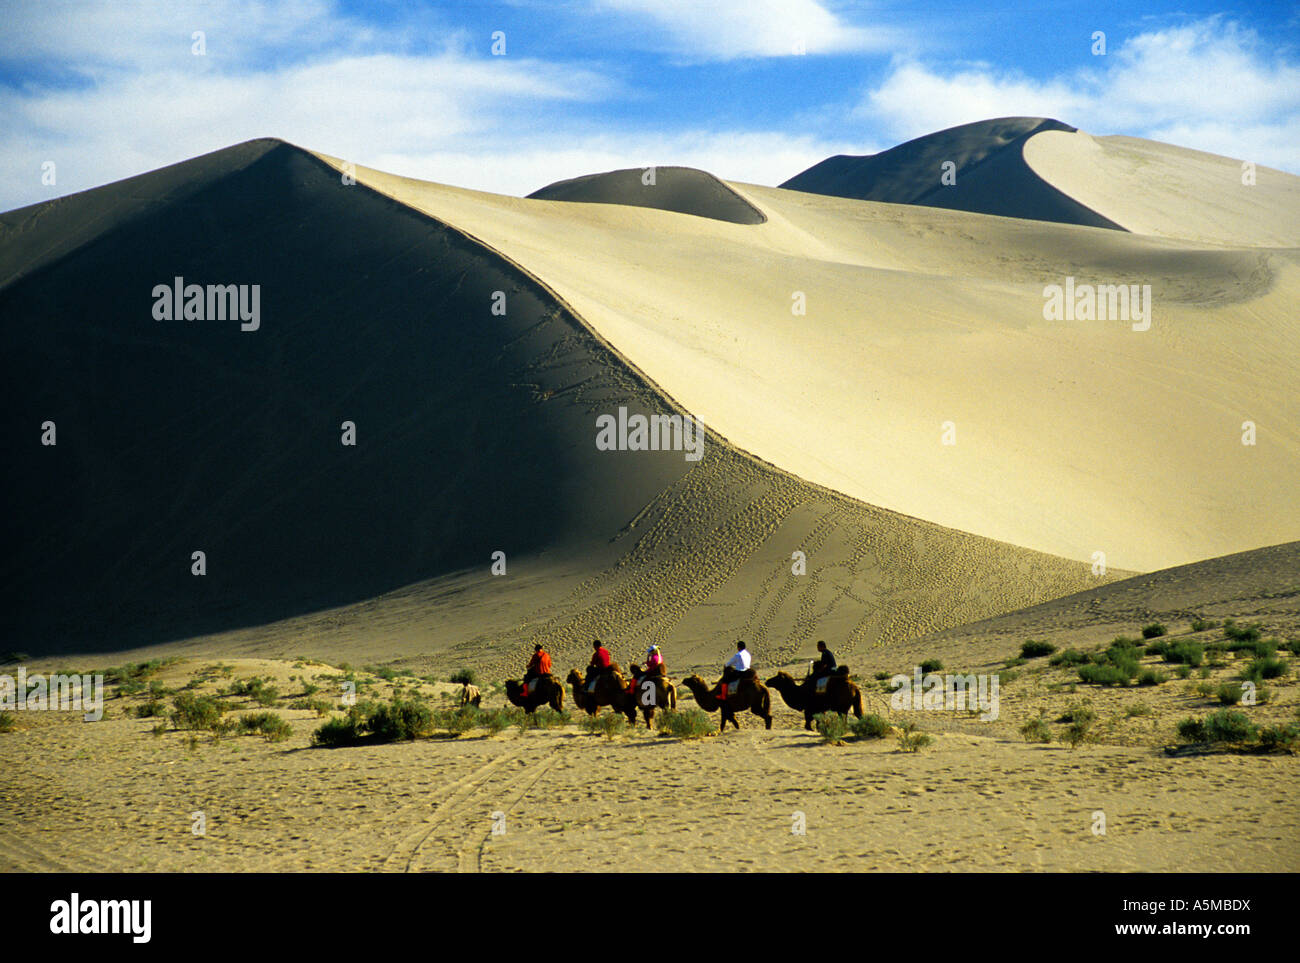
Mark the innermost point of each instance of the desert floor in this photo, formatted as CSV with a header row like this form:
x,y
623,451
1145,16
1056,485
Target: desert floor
x,y
115,796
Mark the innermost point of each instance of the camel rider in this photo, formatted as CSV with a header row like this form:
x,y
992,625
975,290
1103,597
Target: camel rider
x,y
538,665
600,662
654,662
825,665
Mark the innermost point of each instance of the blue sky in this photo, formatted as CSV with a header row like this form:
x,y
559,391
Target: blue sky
x,y
753,90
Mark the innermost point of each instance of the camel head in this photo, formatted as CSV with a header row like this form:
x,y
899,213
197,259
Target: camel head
x,y
693,682
781,680
575,677
512,686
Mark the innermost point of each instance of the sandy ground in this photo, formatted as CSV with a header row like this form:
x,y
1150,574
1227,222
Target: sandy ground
x,y
113,795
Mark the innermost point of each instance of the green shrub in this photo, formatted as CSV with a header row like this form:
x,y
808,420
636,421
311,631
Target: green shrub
x,y
8,722
1137,709
831,726
1033,649
883,676
1283,738
321,707
400,720
1183,671
1226,725
548,718
150,709
343,731
1104,674
1203,625
1242,633
496,720
382,671
1150,677
1077,731
192,711
274,727
911,740
159,729
931,665
464,677
1185,652
1069,657
266,695
692,723
309,689
1153,631
1019,660
1266,667
608,724
870,726
1036,730
1229,693
1078,714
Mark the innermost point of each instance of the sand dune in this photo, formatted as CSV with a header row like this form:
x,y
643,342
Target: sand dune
x,y
475,434
680,189
1031,167
1072,437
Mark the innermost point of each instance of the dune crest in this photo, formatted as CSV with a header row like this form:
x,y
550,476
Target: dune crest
x,y
683,190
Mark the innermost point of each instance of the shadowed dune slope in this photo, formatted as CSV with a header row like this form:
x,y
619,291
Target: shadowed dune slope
x,y
474,434
991,176
684,190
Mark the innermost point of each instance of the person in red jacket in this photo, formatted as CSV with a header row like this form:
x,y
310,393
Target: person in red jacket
x,y
538,665
599,664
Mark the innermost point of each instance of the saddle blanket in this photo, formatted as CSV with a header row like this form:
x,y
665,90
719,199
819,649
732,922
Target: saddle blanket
x,y
821,684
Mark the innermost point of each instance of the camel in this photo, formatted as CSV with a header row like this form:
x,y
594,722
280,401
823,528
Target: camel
x,y
840,696
611,690
544,690
470,696
664,693
748,693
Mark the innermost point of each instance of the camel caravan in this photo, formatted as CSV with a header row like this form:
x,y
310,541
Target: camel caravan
x,y
826,688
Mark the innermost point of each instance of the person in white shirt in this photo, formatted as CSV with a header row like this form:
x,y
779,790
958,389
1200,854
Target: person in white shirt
x,y
738,663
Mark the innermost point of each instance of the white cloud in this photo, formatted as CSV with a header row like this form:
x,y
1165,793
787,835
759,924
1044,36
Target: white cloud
x,y
1207,85
732,29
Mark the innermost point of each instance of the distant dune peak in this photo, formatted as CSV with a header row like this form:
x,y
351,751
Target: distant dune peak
x,y
683,190
978,167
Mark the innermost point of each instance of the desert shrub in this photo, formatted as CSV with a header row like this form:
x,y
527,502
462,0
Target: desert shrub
x,y
1153,631
1006,677
831,726
1069,657
150,709
159,729
608,724
399,720
382,671
192,711
457,721
548,718
1264,667
912,740
1184,652
692,723
870,726
1283,738
1036,730
274,727
1079,714
1105,674
157,690
131,687
1292,646
1203,625
931,665
309,689
8,722
266,695
1226,725
1137,709
1242,633
1018,660
496,720
1150,677
1033,649
1077,731
1183,671
883,676
342,731
464,677
321,707
1229,694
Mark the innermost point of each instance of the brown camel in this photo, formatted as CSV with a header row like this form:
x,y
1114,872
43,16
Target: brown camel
x,y
543,690
841,695
650,691
611,690
744,693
